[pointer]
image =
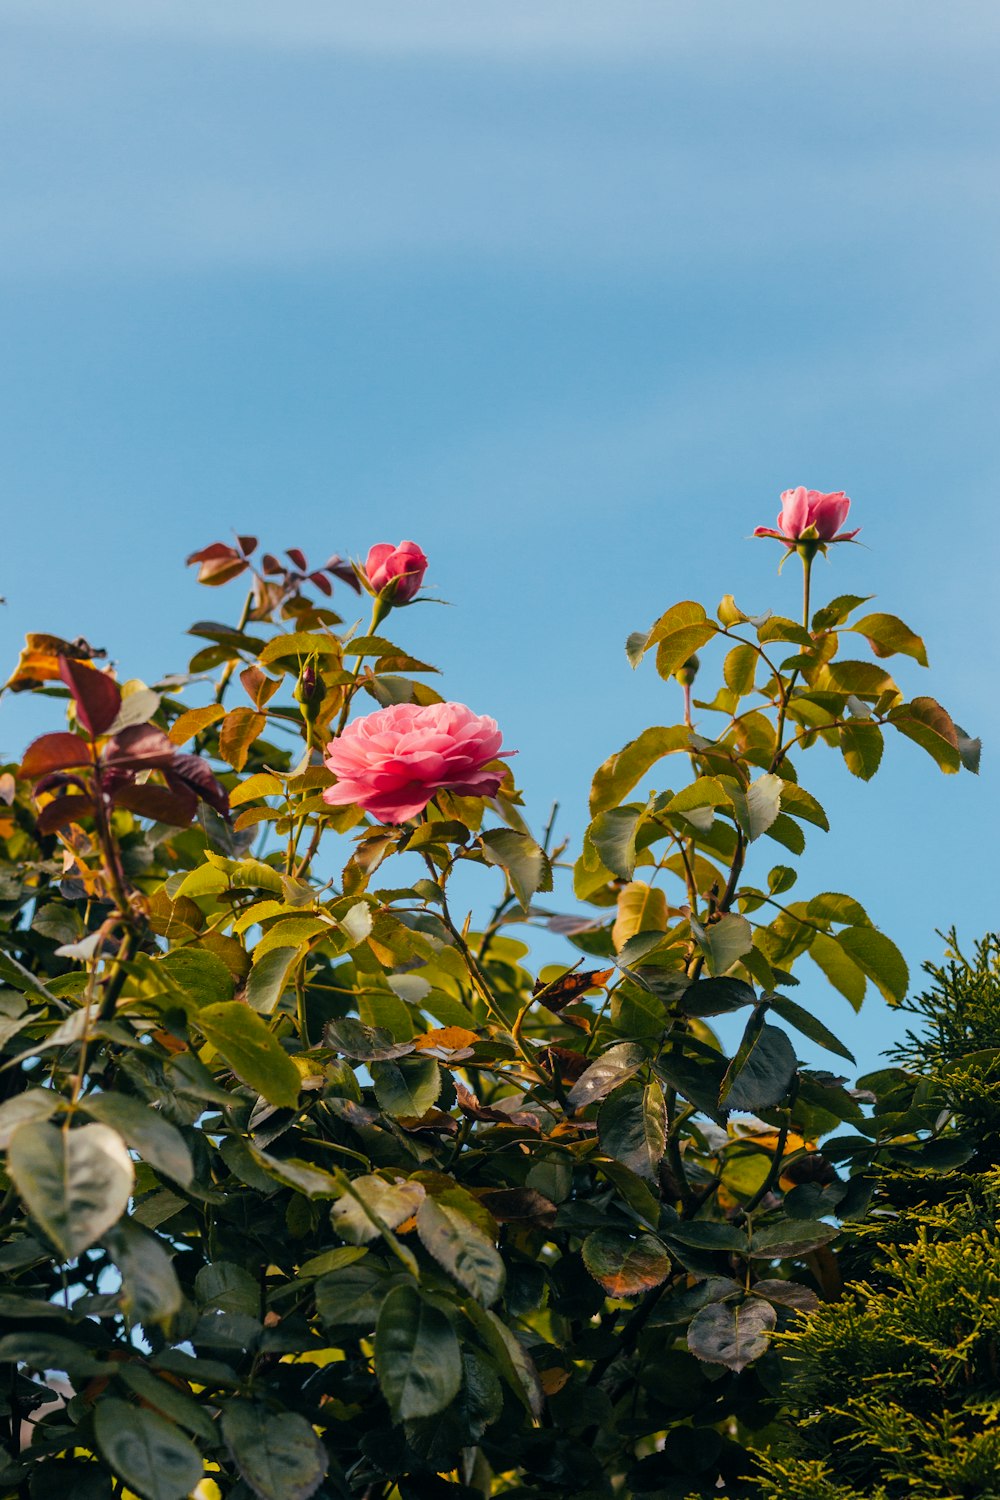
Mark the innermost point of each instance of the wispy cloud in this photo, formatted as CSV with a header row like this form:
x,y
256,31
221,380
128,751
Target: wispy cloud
x,y
519,28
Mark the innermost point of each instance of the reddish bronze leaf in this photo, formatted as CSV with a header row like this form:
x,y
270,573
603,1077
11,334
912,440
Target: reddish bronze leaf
x,y
519,1206
97,696
63,810
55,752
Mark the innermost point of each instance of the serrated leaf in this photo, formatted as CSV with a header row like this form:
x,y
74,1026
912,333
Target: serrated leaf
x,y
240,728
150,1454
879,958
626,1265
417,1357
725,941
641,908
269,977
931,727
75,1183
861,745
150,1292
523,861
792,1238
147,1131
242,1039
724,1333
277,1453
631,1127
407,1087
622,771
839,968
887,635
364,1043
760,1073
804,1021
462,1249
612,834
618,1063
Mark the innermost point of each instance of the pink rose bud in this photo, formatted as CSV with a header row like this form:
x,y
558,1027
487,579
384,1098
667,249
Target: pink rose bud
x,y
403,567
392,762
811,516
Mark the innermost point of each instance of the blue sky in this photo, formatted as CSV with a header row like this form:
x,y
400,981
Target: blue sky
x,y
566,291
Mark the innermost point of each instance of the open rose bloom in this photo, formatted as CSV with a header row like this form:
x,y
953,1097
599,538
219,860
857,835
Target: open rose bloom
x,y
811,516
393,761
403,566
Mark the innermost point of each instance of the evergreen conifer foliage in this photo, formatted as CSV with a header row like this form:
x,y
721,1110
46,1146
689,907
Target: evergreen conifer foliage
x,y
894,1390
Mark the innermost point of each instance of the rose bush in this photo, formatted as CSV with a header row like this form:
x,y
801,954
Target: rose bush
x,y
315,1185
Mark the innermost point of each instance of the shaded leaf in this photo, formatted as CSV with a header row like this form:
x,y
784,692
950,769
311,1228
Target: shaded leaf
x,y
417,1357
523,861
147,1131
462,1249
626,1265
631,1127
75,1183
278,1454
149,1453
724,1333
618,1063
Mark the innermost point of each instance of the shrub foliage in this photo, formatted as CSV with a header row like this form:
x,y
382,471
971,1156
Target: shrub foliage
x,y
314,1186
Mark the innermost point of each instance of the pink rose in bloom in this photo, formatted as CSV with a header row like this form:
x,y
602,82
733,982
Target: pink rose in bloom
x,y
393,761
811,516
405,563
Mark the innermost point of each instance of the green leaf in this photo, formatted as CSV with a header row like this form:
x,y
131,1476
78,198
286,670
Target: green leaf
x,y
351,1297
75,1183
626,1265
861,745
241,1038
301,643
618,1063
50,1351
462,1249
146,1451
841,970
678,634
150,1293
30,1107
417,1357
760,1073
621,772
291,932
930,726
739,668
168,1399
804,1021
147,1131
724,941
201,975
837,611
269,978
886,635
408,1087
757,807
717,997
510,1356
302,1176
631,1127
612,834
801,804
523,861
706,1234
278,1454
833,906
792,1238
879,958
641,908
726,1334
